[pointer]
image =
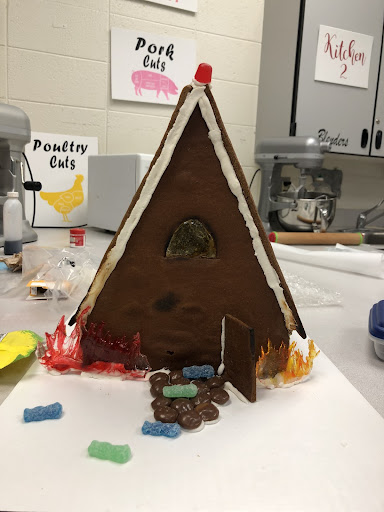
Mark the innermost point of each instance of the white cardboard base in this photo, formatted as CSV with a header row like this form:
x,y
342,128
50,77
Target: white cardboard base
x,y
314,446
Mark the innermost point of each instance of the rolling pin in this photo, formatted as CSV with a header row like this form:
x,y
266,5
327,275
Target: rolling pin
x,y
295,238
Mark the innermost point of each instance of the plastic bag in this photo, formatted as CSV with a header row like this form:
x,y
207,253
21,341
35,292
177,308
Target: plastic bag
x,y
66,273
310,294
69,273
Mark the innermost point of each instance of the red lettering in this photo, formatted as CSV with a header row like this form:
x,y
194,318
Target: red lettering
x,y
338,51
328,44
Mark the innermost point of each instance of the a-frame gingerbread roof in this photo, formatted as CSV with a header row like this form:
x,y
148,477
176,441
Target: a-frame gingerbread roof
x,y
194,174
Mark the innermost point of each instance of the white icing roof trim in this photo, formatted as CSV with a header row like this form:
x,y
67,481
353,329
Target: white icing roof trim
x,y
235,187
197,95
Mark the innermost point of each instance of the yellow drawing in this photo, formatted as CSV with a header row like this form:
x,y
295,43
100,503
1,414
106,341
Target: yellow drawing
x,y
65,202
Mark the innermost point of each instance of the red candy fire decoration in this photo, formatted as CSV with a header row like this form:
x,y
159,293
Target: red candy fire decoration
x,y
79,351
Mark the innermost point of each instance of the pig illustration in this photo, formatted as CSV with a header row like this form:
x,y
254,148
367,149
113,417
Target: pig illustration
x,y
153,82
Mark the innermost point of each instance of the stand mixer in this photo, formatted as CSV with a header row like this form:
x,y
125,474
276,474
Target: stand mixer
x,y
15,133
285,207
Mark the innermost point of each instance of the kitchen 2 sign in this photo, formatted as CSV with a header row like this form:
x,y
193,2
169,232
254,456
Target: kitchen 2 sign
x,y
150,68
343,57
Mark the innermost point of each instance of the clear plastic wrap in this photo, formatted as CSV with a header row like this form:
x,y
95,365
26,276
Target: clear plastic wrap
x,y
310,294
67,274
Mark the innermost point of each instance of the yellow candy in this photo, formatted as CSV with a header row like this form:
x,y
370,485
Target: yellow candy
x,y
16,345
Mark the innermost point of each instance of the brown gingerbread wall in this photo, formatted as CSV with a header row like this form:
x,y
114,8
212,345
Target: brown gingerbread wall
x,y
177,305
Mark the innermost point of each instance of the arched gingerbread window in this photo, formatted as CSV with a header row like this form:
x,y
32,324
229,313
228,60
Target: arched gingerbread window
x,y
191,239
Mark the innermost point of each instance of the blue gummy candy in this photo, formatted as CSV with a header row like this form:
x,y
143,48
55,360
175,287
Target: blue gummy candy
x,y
197,372
161,429
40,413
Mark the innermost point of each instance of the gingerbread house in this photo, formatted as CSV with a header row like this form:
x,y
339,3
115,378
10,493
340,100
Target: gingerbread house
x,y
190,267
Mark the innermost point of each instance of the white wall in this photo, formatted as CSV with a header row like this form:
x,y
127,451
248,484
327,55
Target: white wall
x,y
55,65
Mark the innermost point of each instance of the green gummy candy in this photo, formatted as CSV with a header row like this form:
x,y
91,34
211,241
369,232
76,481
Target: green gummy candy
x,y
107,451
180,391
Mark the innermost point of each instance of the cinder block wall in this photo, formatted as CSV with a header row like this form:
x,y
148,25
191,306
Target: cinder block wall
x,y
55,65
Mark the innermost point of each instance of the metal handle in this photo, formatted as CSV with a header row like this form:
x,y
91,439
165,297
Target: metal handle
x,y
362,218
323,210
364,138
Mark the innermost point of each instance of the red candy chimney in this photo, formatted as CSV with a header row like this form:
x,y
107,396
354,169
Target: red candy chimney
x,y
204,73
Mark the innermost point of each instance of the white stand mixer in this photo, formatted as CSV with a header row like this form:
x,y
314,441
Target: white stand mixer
x,y
15,133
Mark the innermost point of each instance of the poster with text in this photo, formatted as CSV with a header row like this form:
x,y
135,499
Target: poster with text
x,y
150,68
60,164
187,5
343,57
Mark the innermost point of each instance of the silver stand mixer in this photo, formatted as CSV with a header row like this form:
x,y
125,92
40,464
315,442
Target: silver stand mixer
x,y
284,206
15,133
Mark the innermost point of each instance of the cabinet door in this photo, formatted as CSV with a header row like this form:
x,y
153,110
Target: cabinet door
x,y
338,113
377,146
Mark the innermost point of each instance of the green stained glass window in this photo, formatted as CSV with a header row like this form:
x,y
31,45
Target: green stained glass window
x,y
191,240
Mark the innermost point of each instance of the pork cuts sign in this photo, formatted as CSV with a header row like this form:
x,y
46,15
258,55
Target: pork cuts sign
x,y
148,67
343,57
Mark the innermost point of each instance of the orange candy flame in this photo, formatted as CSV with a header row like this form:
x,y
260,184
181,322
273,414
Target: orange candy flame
x,y
285,367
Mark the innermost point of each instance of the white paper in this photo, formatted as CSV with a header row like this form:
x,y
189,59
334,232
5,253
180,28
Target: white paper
x,y
60,163
241,463
149,67
357,262
343,57
187,5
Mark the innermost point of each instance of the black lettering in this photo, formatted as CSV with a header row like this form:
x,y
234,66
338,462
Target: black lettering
x,y
140,43
169,52
72,165
52,161
37,144
152,48
47,147
322,133
65,146
146,61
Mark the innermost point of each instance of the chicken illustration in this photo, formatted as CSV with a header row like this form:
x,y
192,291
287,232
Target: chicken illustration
x,y
65,202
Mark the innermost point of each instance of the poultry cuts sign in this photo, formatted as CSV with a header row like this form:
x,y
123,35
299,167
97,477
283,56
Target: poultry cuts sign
x,y
149,67
60,164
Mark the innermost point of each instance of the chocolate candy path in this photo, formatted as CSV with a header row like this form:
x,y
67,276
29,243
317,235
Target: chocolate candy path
x,y
188,412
